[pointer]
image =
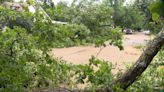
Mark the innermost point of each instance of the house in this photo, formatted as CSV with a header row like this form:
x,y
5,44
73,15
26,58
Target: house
x,y
14,6
19,7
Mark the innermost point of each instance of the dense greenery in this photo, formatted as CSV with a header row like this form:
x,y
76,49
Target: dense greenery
x,y
25,44
150,81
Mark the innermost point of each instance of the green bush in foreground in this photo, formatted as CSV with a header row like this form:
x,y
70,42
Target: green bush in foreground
x,y
25,63
24,66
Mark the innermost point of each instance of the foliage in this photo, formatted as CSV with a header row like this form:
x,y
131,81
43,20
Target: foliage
x,y
71,35
25,66
25,63
150,9
132,18
157,15
97,73
1,1
60,12
152,79
158,7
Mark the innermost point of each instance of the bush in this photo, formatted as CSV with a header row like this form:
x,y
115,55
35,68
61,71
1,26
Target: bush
x,y
71,35
24,66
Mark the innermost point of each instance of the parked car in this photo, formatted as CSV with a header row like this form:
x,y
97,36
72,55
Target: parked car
x,y
127,31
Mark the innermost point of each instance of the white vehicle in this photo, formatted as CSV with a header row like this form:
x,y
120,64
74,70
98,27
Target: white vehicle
x,y
146,32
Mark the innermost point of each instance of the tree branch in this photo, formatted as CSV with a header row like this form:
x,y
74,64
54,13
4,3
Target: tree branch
x,y
11,47
142,63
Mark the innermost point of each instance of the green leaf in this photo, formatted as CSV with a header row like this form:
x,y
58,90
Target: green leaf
x,y
155,16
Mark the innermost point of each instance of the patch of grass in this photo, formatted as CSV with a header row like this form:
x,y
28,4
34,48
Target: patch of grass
x,y
138,46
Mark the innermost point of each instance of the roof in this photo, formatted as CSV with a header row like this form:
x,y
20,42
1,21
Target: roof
x,y
19,7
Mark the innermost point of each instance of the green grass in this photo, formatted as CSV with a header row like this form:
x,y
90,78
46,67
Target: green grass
x,y
138,46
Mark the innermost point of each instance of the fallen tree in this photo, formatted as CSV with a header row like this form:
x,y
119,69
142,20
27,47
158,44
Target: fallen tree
x,y
141,64
131,75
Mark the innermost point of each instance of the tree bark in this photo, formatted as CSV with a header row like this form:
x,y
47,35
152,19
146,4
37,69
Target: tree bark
x,y
137,69
142,63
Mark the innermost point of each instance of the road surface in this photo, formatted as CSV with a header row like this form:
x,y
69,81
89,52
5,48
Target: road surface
x,y
81,54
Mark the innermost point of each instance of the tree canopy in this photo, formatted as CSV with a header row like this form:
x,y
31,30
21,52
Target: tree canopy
x,y
27,38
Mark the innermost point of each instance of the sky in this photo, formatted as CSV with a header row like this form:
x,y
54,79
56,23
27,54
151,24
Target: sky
x,y
68,1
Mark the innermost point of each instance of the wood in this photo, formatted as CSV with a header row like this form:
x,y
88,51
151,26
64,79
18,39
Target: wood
x,y
135,71
142,63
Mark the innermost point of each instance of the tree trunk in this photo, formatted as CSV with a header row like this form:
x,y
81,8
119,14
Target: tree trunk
x,y
142,63
137,69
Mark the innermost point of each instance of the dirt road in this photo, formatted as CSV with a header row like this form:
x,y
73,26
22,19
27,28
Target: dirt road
x,y
81,55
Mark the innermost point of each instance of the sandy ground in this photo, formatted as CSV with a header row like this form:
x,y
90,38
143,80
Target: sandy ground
x,y
81,55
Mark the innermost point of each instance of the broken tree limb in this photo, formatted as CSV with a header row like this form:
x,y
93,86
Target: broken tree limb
x,y
137,69
142,63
